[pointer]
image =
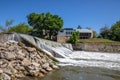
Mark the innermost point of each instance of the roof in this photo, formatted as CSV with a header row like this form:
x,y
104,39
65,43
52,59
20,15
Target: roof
x,y
68,29
84,30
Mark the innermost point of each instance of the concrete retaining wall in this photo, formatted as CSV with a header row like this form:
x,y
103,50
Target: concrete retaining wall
x,y
102,47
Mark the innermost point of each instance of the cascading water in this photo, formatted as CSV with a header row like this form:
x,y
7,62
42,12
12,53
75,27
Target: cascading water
x,y
56,50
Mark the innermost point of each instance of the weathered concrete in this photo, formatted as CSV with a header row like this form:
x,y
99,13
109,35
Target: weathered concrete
x,y
99,47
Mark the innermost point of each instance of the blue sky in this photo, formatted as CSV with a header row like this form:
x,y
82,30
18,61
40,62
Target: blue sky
x,y
86,13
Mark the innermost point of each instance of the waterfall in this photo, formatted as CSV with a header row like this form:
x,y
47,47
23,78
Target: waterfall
x,y
56,50
69,46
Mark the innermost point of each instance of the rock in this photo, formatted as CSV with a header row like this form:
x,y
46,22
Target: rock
x,y
10,56
45,65
7,71
3,48
26,62
33,72
21,44
1,71
40,75
4,65
6,77
35,64
43,71
14,71
31,49
19,67
49,69
54,66
43,60
20,55
11,48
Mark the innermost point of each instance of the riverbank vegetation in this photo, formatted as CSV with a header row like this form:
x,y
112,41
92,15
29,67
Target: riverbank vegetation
x,y
96,40
112,33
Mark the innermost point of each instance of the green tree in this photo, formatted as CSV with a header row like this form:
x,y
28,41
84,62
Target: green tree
x,y
95,34
74,38
20,28
115,31
45,24
105,32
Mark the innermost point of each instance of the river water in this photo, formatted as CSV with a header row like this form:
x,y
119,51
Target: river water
x,y
81,73
82,65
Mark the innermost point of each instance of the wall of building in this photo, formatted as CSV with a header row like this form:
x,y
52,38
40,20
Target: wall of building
x,y
62,39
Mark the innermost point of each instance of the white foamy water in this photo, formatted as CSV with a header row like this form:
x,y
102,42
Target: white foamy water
x,y
95,56
92,59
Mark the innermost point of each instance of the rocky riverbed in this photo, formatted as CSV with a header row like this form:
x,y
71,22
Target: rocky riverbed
x,y
18,60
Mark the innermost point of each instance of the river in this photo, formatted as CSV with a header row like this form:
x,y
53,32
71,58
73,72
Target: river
x,y
84,65
80,73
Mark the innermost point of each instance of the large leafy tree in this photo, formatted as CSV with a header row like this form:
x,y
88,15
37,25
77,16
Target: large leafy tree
x,y
44,24
20,28
105,32
115,31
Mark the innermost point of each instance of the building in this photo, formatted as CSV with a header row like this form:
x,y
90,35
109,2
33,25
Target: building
x,y
64,34
85,33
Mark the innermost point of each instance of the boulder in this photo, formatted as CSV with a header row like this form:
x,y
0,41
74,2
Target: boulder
x,y
26,62
45,65
31,49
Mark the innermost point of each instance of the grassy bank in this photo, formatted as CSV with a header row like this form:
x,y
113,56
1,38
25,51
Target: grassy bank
x,y
96,40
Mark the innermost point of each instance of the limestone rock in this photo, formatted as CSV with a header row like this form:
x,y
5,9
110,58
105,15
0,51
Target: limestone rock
x,y
41,75
54,66
6,77
35,64
45,65
31,49
18,60
43,71
11,48
7,71
26,62
10,56
49,69
1,71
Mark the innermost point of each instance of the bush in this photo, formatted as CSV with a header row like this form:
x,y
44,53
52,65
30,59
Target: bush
x,y
74,38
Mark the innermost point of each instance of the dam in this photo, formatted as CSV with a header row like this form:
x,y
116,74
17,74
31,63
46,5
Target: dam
x,y
65,55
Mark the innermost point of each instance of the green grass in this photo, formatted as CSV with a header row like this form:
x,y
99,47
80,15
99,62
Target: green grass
x,y
96,40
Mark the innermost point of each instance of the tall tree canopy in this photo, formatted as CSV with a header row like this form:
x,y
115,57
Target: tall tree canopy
x,y
105,32
20,28
115,31
45,23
